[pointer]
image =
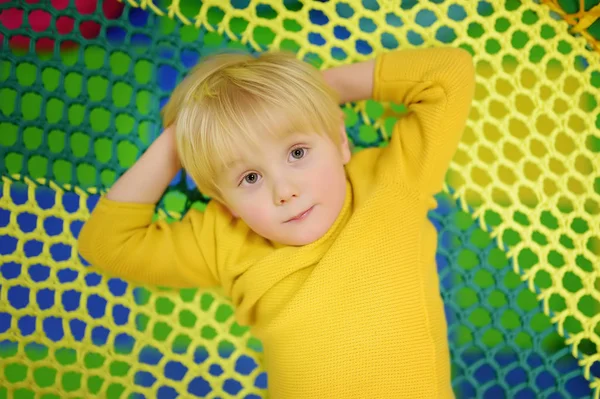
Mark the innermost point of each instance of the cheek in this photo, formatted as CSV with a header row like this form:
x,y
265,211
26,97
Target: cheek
x,y
254,211
328,177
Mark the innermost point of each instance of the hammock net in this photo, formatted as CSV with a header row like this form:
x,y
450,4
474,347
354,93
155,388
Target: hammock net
x,y
81,86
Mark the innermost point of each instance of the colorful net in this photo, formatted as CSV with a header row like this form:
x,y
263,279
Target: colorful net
x,y
81,84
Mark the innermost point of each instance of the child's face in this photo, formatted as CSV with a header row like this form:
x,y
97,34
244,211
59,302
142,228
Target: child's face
x,y
291,190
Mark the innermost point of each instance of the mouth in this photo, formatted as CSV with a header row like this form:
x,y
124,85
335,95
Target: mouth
x,y
300,216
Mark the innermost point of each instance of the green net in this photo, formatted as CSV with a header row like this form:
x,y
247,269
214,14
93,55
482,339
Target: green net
x,y
81,85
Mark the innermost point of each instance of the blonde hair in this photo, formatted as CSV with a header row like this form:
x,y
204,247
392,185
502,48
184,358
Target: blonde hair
x,y
230,102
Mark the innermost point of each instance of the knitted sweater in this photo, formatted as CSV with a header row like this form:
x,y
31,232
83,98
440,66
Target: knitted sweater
x,y
358,312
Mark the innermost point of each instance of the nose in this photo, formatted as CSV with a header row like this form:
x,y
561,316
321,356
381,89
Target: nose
x,y
283,191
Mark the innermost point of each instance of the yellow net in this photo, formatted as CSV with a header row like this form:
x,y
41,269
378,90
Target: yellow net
x,y
519,220
528,162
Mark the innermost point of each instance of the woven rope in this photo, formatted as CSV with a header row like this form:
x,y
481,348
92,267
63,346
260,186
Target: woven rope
x,y
525,184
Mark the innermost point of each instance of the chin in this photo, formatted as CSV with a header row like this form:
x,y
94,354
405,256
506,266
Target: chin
x,y
307,236
301,241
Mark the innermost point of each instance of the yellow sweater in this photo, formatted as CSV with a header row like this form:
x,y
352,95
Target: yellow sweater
x,y
358,313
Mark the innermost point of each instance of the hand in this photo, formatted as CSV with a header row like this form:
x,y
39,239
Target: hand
x,y
353,82
148,178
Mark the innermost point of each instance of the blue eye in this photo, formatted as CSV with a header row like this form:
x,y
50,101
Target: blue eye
x,y
298,153
251,178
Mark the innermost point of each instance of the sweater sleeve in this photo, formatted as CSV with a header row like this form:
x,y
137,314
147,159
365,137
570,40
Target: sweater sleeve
x,y
436,85
121,240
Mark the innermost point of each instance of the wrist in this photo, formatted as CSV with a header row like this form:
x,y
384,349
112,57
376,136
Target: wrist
x,y
168,146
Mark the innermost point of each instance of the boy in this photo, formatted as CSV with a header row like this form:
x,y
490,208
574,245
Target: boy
x,y
329,259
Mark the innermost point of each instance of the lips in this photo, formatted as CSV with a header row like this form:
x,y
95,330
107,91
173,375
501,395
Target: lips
x,y
301,215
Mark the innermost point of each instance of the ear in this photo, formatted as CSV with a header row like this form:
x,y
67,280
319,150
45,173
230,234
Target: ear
x,y
344,144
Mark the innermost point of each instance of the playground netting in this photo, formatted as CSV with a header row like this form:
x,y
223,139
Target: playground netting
x,y
81,86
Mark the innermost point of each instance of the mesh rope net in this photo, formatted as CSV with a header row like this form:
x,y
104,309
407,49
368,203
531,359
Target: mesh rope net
x,y
81,86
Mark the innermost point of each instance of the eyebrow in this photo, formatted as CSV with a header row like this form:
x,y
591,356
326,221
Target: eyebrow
x,y
232,164
294,137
